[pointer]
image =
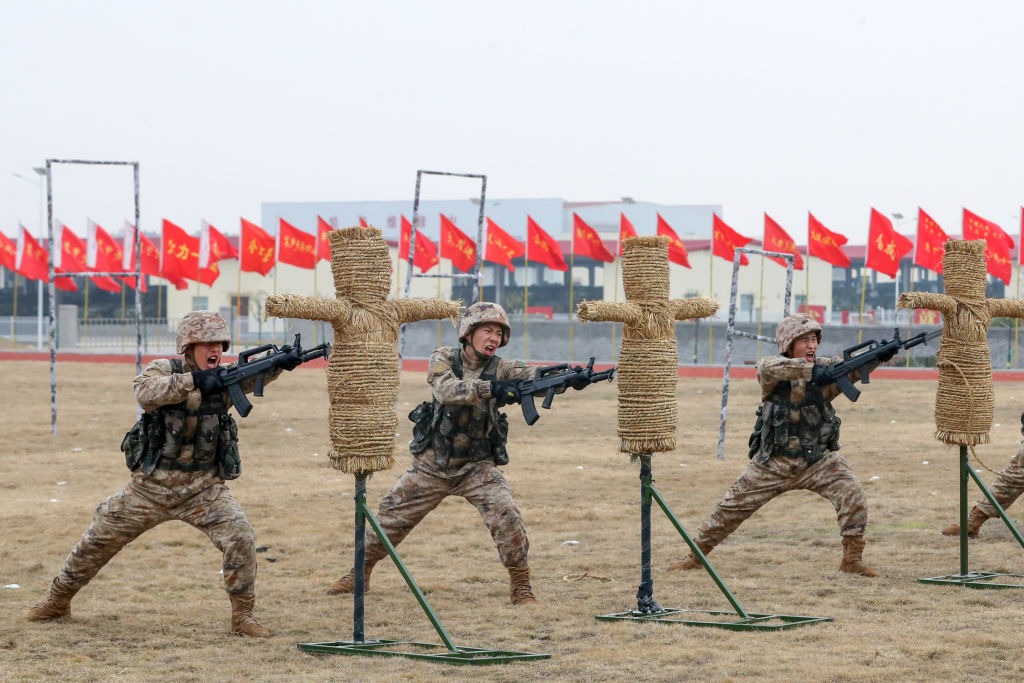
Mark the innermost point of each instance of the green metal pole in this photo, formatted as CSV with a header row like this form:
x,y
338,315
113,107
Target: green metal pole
x,y
964,469
383,538
645,603
698,554
999,508
359,562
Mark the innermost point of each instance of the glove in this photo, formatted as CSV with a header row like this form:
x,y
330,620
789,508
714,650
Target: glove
x,y
819,376
578,381
887,356
504,393
208,381
289,361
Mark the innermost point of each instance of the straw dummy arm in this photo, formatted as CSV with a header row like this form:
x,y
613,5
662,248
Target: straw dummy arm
x,y
307,307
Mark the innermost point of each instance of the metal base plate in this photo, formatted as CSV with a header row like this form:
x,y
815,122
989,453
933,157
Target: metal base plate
x,y
718,619
976,580
427,651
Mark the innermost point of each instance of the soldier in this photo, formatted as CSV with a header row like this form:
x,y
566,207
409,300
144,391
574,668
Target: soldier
x,y
186,410
458,442
1006,489
794,446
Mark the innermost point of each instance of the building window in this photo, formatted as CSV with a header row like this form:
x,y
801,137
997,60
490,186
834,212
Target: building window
x,y
200,303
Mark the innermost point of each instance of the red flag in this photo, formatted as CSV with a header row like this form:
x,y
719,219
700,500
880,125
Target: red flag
x,y
885,246
997,244
777,239
72,259
105,253
180,257
540,247
586,241
725,240
8,252
457,246
676,248
501,246
825,244
323,245
425,252
363,223
213,246
31,260
295,247
257,249
150,258
930,238
626,230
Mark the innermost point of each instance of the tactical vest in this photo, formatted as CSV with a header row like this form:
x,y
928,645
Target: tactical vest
x,y
461,432
157,440
812,421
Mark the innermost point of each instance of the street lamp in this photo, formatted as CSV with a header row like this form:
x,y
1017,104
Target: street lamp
x,y
41,172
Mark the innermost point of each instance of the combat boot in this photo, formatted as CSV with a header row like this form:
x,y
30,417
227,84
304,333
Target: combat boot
x,y
347,583
519,589
56,605
243,623
691,561
853,551
975,518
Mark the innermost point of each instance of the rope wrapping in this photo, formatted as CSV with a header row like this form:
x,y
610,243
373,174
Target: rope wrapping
x,y
648,367
965,401
362,372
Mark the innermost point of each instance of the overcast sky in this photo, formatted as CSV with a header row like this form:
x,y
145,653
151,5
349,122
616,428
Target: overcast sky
x,y
784,107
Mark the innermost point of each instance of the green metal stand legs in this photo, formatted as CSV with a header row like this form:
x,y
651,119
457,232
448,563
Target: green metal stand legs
x,y
649,610
450,653
977,579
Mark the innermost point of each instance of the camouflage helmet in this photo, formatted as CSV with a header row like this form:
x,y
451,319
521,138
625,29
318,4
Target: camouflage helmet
x,y
484,312
200,327
793,326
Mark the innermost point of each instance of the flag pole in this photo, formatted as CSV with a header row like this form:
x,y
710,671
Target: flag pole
x,y
14,312
85,327
807,282
572,262
526,303
863,288
760,310
711,292
238,299
398,265
615,288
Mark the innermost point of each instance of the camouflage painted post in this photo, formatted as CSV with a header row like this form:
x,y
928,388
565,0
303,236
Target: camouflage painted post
x,y
648,359
965,400
362,372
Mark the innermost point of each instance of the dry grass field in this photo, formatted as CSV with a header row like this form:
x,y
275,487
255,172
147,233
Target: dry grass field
x,y
158,610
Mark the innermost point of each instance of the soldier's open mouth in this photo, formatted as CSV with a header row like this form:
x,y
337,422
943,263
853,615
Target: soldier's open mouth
x,y
213,361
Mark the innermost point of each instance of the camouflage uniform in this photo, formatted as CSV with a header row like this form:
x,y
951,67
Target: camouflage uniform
x,y
457,459
1006,489
186,484
794,446
425,484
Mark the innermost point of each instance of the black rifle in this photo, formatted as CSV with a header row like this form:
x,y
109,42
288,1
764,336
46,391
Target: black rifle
x,y
551,378
275,357
840,372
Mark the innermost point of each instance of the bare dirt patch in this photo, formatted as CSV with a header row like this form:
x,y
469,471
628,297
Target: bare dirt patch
x,y
158,610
